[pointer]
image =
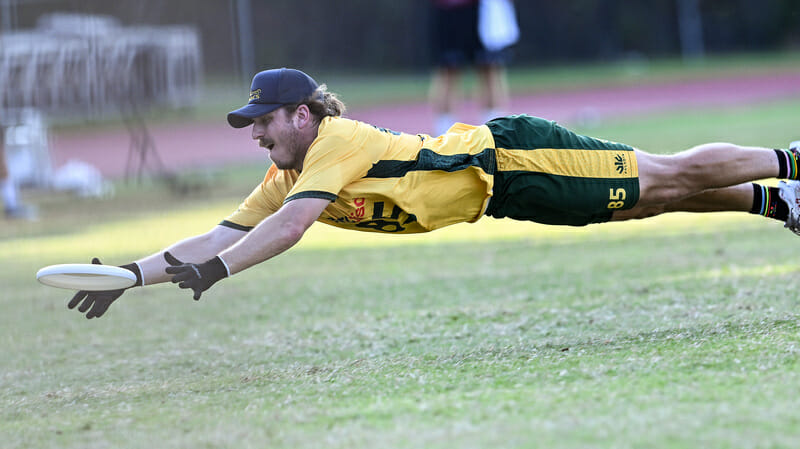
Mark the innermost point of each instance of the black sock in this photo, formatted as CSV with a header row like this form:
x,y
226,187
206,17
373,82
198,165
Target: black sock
x,y
767,203
787,163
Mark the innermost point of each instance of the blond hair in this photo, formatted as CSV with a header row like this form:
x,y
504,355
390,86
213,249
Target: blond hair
x,y
321,104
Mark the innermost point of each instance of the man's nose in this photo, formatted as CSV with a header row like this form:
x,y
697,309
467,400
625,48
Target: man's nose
x,y
257,132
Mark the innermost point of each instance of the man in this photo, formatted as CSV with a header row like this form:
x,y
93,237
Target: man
x,y
12,207
353,175
457,44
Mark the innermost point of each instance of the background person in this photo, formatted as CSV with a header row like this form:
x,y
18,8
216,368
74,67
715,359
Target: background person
x,y
457,44
12,207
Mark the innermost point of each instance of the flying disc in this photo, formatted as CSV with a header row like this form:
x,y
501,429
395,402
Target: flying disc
x,y
85,276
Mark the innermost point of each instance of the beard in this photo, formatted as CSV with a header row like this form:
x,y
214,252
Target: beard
x,y
294,151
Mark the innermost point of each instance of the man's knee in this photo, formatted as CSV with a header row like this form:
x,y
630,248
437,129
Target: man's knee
x,y
669,178
661,179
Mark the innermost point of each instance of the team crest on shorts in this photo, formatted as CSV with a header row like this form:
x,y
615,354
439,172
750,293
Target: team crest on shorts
x,y
621,164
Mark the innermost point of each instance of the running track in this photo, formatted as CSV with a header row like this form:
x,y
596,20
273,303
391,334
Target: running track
x,y
212,144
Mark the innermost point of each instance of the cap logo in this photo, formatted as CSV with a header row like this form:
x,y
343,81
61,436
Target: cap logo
x,y
255,94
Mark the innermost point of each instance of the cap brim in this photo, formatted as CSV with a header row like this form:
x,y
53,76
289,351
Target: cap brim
x,y
244,116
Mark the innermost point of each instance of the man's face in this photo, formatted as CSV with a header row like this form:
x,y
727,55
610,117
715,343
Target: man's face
x,y
279,135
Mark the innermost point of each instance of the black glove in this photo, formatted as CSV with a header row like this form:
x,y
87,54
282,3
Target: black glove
x,y
198,277
97,302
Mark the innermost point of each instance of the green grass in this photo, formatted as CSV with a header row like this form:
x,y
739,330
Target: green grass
x,y
772,124
655,334
676,332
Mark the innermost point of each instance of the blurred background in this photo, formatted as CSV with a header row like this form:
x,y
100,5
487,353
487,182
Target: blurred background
x,y
384,35
93,90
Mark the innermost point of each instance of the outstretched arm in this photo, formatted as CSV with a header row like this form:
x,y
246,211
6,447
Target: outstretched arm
x,y
194,249
274,235
271,237
150,270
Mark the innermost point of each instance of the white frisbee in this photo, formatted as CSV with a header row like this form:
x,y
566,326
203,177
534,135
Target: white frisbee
x,y
86,276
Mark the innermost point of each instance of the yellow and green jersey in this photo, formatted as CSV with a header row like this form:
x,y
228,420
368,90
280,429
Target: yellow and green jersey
x,y
383,181
521,167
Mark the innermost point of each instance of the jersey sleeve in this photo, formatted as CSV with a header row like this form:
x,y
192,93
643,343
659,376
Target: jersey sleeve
x,y
265,199
334,160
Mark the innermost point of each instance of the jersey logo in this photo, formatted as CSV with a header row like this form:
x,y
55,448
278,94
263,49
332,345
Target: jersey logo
x,y
255,95
391,223
621,164
394,221
358,215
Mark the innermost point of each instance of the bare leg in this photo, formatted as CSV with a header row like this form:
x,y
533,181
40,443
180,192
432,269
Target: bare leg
x,y
738,198
443,90
443,97
493,88
671,179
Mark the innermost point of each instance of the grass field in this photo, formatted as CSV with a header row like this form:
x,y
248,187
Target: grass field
x,y
676,332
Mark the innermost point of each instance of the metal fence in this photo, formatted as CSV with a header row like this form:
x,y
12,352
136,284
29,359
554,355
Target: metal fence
x,y
86,66
77,66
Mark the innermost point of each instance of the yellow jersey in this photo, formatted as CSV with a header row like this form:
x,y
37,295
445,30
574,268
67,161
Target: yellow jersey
x,y
383,181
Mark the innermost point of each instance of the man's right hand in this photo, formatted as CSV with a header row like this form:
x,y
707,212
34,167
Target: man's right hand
x,y
95,304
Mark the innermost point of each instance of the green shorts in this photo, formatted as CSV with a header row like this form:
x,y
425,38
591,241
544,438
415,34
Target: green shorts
x,y
550,175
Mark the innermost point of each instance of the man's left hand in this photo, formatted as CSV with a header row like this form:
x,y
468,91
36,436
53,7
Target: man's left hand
x,y
198,277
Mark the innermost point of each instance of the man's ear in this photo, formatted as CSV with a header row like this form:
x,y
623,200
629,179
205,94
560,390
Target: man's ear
x,y
303,116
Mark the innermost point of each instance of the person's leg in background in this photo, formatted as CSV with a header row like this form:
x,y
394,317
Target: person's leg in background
x,y
8,189
493,91
453,36
443,98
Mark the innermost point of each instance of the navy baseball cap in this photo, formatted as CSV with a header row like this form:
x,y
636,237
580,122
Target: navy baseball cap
x,y
270,90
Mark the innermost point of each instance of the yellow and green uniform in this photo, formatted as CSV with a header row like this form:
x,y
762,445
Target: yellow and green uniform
x,y
548,174
383,181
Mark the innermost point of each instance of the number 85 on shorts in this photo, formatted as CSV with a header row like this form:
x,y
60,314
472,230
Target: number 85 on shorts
x,y
616,198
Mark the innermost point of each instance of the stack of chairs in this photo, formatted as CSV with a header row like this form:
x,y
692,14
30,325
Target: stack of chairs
x,y
81,67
